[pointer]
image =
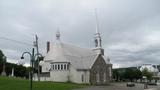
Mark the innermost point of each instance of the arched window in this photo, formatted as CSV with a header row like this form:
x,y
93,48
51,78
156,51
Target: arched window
x,y
58,66
104,76
55,67
110,72
97,77
65,67
82,76
61,66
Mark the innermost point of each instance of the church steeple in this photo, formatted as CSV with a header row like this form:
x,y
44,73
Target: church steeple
x,y
98,40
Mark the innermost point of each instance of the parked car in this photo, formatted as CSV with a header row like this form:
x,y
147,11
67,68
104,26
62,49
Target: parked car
x,y
158,83
152,83
130,84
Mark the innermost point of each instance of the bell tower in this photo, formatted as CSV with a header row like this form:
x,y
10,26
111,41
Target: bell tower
x,y
58,35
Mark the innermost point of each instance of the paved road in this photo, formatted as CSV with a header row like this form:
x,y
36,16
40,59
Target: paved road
x,y
121,86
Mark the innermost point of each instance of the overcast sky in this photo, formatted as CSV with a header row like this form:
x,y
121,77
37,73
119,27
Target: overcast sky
x,y
130,28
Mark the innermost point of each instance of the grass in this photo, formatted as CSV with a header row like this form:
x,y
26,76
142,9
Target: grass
x,y
7,83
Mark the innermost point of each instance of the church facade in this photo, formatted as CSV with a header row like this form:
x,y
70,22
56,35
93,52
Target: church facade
x,y
68,63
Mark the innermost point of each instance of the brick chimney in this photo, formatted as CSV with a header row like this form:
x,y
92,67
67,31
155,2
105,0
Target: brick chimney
x,y
48,46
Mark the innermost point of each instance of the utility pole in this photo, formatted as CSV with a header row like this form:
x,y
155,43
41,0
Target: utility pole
x,y
37,48
31,73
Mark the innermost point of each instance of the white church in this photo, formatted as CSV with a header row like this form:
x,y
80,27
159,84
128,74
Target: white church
x,y
68,63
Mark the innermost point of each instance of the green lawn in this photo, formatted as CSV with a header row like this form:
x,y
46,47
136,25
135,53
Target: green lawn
x,y
7,83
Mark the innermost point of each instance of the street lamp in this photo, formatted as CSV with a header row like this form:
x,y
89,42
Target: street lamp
x,y
32,60
31,64
4,66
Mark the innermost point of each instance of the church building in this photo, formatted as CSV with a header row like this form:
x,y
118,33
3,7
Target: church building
x,y
68,63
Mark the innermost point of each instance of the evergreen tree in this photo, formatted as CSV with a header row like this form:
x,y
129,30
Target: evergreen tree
x,y
1,56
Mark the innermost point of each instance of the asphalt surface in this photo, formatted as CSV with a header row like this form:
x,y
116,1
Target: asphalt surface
x,y
121,86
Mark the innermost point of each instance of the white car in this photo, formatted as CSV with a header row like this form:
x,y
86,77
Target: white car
x,y
158,83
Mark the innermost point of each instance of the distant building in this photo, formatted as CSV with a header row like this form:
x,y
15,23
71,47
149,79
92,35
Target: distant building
x,y
68,63
151,68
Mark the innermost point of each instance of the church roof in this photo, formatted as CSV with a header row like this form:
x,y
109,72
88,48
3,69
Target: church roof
x,y
80,58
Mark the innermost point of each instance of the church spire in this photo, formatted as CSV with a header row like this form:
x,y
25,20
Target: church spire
x,y
97,22
98,40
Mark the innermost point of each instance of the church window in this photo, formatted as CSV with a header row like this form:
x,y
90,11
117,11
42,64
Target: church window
x,y
58,66
104,76
64,66
97,77
67,66
110,72
61,66
55,67
82,78
96,42
51,67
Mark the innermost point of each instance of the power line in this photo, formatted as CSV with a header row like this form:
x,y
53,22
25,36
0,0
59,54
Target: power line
x,y
16,41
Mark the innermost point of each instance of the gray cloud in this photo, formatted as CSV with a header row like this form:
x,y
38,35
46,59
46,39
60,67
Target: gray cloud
x,y
130,28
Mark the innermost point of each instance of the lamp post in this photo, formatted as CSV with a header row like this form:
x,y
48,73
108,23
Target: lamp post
x,y
32,60
4,66
31,65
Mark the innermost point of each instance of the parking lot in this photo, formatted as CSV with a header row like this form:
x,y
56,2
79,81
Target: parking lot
x,y
121,86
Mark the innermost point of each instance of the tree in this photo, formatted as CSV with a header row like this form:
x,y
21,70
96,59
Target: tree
x,y
137,74
133,74
129,74
36,64
19,70
115,74
1,61
146,73
121,75
1,56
